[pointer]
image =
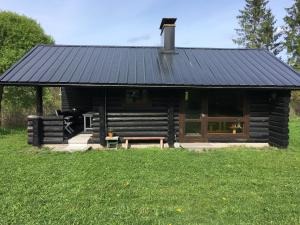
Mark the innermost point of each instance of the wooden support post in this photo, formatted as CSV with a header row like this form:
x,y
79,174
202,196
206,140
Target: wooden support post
x,y
171,134
39,100
37,127
102,126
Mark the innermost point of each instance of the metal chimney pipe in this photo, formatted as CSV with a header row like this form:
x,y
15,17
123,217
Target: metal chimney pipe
x,y
167,28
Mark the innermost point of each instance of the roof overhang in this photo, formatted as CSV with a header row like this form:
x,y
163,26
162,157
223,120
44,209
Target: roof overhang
x,y
150,86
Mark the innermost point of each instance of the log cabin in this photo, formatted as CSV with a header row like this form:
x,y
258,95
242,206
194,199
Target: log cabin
x,y
182,95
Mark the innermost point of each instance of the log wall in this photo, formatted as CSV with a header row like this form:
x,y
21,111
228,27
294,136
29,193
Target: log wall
x,y
259,107
279,119
268,119
52,130
146,120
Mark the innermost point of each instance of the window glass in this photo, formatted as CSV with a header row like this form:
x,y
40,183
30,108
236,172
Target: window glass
x,y
137,97
225,127
192,105
227,105
192,128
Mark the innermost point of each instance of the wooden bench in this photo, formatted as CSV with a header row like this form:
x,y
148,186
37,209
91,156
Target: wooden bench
x,y
127,139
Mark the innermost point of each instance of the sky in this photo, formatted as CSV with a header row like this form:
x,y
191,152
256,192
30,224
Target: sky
x,y
200,23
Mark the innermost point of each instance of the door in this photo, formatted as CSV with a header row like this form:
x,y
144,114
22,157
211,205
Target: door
x,y
192,117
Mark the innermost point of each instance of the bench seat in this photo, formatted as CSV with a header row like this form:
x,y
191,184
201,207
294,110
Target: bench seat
x,y
161,140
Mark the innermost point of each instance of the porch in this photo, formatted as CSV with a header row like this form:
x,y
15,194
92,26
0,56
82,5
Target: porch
x,y
177,115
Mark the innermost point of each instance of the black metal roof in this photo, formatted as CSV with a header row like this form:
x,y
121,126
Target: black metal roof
x,y
62,65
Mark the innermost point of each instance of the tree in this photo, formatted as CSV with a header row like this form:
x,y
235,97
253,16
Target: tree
x,y
18,34
258,27
291,32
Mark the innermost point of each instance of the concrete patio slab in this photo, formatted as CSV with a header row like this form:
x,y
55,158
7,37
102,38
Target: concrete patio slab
x,y
188,146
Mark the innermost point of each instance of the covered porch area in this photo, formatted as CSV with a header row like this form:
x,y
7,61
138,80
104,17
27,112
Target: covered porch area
x,y
182,117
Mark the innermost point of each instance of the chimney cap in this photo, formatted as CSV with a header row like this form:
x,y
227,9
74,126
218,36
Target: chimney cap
x,y
167,21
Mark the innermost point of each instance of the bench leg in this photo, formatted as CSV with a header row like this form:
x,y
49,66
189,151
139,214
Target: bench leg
x,y
126,144
161,143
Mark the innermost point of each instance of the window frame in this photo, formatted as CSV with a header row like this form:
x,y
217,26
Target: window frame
x,y
205,119
243,119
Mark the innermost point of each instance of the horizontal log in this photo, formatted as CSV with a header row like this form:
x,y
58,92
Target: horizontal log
x,y
49,123
53,141
95,119
137,119
134,127
283,119
259,119
259,124
278,114
53,128
53,134
260,100
142,134
51,118
260,108
259,129
47,128
275,142
160,128
282,104
278,123
119,108
281,136
280,108
137,114
48,141
226,140
259,114
283,99
49,134
139,123
150,118
258,140
279,129
258,135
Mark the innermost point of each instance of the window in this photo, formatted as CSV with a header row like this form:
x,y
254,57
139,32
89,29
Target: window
x,y
226,113
192,128
136,97
193,111
222,127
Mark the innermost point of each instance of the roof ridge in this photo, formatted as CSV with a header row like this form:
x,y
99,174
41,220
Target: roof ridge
x,y
130,46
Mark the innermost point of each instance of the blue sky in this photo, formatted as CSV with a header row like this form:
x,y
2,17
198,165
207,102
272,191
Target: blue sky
x,y
201,23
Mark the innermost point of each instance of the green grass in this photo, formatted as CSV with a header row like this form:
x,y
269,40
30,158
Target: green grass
x,y
150,186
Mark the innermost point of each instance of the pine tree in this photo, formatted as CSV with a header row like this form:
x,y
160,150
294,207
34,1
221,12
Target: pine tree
x,y
291,32
258,27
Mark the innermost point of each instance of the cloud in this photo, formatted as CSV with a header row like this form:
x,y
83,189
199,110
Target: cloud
x,y
144,37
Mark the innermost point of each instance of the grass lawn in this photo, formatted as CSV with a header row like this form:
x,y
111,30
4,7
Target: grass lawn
x,y
150,186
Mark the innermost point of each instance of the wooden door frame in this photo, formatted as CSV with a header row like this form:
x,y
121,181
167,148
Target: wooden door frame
x,y
205,136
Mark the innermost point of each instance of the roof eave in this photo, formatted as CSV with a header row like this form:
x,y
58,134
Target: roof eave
x,y
294,87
